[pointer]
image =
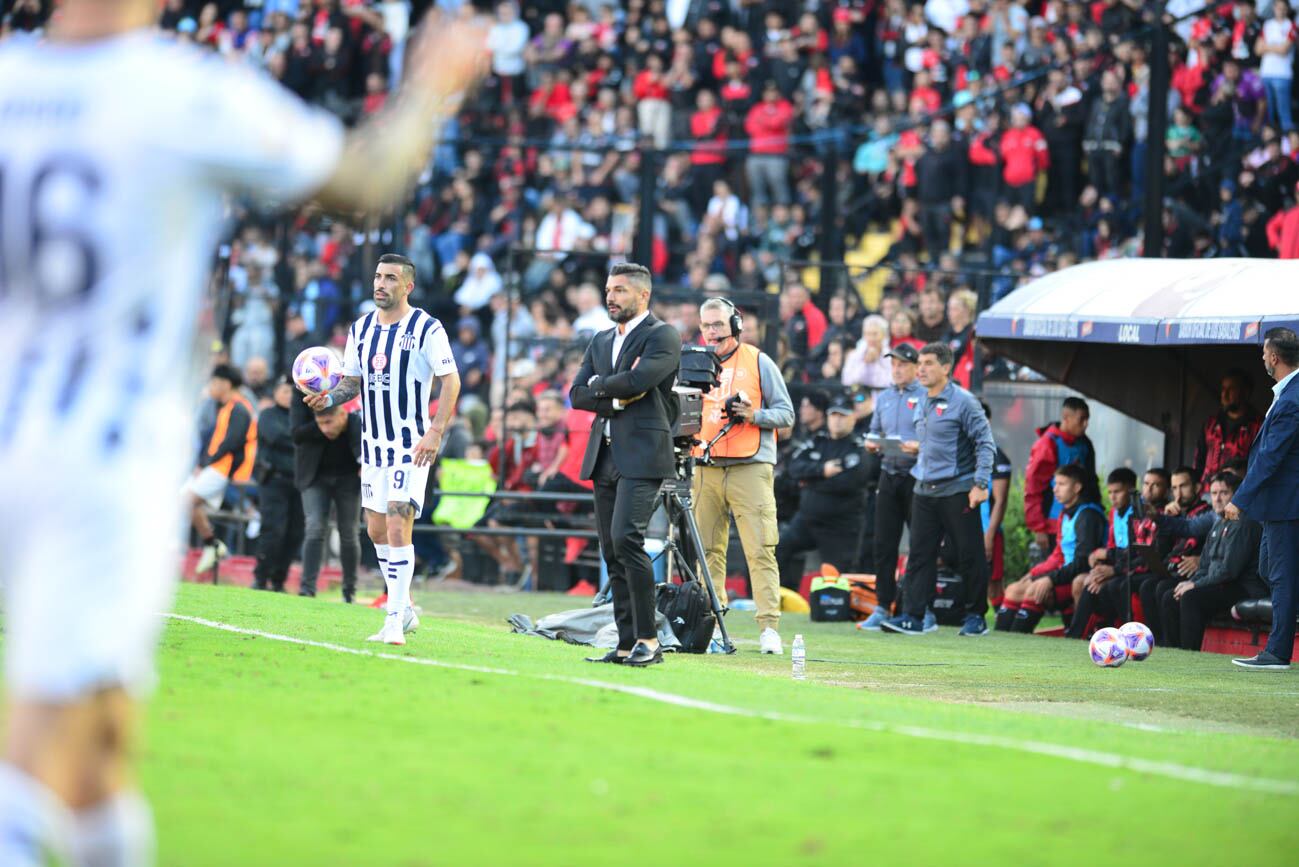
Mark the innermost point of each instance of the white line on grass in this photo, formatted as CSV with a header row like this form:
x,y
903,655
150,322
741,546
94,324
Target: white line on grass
x,y
1171,770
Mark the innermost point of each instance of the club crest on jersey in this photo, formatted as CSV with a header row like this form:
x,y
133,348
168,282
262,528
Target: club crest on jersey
x,y
379,362
939,409
911,403
406,342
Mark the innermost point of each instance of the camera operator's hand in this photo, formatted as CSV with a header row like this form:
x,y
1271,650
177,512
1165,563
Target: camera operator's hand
x,y
832,469
742,409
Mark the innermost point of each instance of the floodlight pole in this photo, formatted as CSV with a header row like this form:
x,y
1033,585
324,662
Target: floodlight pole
x,y
1156,128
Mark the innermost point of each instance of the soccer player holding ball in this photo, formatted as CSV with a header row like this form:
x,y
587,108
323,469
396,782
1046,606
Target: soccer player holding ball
x,y
392,356
117,152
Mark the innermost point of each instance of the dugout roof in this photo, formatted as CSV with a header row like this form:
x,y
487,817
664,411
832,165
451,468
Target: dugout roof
x,y
1150,337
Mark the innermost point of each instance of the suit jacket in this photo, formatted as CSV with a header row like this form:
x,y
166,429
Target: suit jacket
x,y
1270,491
311,443
641,433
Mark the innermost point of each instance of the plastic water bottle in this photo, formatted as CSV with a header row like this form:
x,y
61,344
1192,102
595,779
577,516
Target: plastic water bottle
x,y
798,653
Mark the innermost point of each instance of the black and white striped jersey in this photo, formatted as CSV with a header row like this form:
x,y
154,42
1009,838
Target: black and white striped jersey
x,y
396,364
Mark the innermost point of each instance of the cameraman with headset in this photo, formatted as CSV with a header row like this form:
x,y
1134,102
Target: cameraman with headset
x,y
740,419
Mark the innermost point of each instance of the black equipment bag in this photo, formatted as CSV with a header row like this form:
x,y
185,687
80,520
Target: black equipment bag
x,y
830,599
949,599
687,609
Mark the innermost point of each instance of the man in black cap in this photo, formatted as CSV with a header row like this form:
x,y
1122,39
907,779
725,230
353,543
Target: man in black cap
x,y
831,470
895,417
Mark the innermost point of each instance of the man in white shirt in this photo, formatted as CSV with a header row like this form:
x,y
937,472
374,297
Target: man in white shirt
x,y
1275,48
591,314
559,231
506,40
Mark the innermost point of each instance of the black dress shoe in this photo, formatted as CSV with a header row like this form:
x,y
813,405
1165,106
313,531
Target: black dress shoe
x,y
611,656
642,656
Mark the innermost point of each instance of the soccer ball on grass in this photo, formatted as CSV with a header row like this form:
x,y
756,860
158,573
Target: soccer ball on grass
x,y
1107,648
1139,640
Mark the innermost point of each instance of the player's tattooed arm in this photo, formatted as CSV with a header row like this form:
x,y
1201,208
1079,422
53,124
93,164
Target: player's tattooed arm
x,y
348,388
401,510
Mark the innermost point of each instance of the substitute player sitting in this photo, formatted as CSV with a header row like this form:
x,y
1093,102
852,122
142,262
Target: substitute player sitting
x,y
391,358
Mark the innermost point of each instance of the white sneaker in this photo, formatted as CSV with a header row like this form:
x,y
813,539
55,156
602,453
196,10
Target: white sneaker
x,y
409,620
391,632
211,554
769,641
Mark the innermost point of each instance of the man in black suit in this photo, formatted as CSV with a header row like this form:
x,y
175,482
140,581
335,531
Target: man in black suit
x,y
1270,495
626,379
327,471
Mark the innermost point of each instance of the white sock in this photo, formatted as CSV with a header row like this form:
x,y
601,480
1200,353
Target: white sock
x,y
115,833
401,569
34,823
381,553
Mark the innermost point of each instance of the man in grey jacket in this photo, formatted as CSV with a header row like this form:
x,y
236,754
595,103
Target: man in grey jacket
x,y
955,452
1227,573
740,420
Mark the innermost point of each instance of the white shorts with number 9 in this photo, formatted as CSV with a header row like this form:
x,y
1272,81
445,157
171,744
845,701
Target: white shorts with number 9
x,y
404,483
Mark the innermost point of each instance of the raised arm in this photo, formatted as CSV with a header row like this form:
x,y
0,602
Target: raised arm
x,y
384,155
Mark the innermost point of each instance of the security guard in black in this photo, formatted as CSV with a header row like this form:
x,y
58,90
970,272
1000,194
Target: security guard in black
x,y
831,470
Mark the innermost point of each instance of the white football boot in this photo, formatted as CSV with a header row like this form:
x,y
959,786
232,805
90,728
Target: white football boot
x,y
409,620
391,632
211,554
769,641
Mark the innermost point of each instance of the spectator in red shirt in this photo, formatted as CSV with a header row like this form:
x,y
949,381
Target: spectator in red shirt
x,y
1283,232
1024,154
708,164
768,125
517,453
803,321
653,110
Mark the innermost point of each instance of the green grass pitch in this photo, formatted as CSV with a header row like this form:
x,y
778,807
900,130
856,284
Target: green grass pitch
x,y
512,750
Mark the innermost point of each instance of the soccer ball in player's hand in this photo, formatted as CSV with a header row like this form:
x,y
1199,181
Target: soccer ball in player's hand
x,y
1107,648
317,370
1138,639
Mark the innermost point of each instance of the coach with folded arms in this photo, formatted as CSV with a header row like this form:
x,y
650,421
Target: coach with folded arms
x,y
626,379
1270,495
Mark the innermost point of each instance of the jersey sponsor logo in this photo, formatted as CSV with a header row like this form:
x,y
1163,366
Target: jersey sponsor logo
x,y
379,362
380,381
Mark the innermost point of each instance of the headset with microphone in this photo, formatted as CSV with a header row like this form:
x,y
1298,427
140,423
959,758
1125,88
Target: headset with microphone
x,y
735,320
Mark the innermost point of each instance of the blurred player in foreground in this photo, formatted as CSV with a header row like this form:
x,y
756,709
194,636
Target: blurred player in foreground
x,y
117,149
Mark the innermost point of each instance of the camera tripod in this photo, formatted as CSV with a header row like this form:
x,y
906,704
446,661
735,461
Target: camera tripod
x,y
675,497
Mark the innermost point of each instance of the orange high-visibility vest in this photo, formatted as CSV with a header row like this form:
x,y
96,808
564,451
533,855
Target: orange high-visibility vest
x,y
740,372
238,467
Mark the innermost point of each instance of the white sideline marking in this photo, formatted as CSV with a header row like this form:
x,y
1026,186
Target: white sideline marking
x,y
1171,770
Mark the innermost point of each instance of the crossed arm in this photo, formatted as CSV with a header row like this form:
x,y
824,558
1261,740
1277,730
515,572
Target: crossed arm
x,y
659,360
